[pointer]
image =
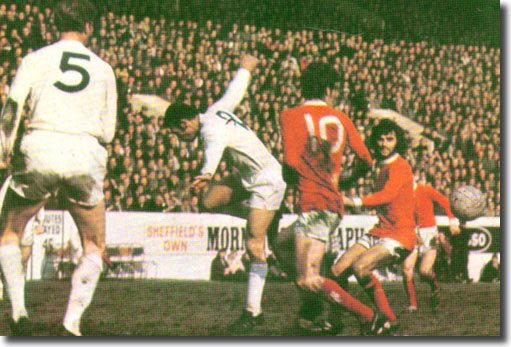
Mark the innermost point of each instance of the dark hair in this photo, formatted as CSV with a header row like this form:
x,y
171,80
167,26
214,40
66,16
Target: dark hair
x,y
316,78
386,126
71,15
176,112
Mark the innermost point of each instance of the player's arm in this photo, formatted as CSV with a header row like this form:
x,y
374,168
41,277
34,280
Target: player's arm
x,y
108,117
360,169
397,177
364,162
11,113
443,201
237,87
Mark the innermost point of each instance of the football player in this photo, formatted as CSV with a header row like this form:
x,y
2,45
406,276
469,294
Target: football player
x,y
258,176
393,238
428,241
74,104
315,136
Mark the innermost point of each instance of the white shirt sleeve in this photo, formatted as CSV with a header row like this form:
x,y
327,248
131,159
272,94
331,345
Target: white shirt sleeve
x,y
234,93
214,146
11,113
109,115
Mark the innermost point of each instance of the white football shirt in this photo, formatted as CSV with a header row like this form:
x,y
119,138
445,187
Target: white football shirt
x,y
223,131
71,90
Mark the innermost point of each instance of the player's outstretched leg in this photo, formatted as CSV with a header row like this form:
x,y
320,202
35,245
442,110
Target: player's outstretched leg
x,y
91,225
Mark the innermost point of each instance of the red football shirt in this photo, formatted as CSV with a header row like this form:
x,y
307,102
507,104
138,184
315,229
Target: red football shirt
x,y
314,138
395,198
425,196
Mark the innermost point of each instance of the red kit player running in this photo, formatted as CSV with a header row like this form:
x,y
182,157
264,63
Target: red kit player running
x,y
428,241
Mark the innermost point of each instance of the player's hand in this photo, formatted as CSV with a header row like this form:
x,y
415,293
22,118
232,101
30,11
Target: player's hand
x,y
200,182
455,230
249,62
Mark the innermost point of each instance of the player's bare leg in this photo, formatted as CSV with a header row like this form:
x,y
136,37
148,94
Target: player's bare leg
x,y
347,259
225,199
91,225
363,268
26,251
428,275
16,213
258,222
444,243
408,267
309,254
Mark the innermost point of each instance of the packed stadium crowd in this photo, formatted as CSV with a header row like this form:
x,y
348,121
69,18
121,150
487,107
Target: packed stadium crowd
x,y
453,90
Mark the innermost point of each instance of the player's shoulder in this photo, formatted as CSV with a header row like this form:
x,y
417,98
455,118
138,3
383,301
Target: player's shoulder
x,y
210,122
402,164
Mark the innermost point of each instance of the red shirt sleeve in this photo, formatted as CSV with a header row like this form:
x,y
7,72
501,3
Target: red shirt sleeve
x,y
442,200
355,141
397,177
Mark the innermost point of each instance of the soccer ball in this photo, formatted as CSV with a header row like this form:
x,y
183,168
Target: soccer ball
x,y
467,203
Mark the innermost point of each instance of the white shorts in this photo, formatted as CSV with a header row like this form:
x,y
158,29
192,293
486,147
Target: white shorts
x,y
267,191
395,248
50,162
317,224
429,239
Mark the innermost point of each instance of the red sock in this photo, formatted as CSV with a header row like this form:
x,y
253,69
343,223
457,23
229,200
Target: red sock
x,y
335,294
410,291
375,289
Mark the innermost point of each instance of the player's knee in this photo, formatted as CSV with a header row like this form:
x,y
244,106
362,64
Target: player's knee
x,y
408,274
335,270
361,270
426,273
311,283
256,249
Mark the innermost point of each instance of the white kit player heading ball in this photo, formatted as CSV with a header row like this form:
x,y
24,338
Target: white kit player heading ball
x,y
259,175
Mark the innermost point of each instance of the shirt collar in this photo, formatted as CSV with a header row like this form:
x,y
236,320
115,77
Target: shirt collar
x,y
315,102
391,159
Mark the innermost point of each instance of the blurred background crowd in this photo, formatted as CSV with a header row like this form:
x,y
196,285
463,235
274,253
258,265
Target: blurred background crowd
x,y
442,74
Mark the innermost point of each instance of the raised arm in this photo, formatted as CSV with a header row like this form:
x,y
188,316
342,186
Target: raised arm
x,y
237,88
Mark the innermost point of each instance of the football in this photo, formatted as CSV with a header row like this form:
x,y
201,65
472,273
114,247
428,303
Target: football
x,y
467,203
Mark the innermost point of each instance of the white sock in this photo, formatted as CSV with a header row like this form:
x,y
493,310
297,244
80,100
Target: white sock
x,y
83,284
10,260
256,279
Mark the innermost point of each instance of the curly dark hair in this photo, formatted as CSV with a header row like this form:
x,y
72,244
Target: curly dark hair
x,y
316,78
386,126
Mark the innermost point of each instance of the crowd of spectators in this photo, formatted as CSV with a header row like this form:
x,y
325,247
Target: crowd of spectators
x,y
453,90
